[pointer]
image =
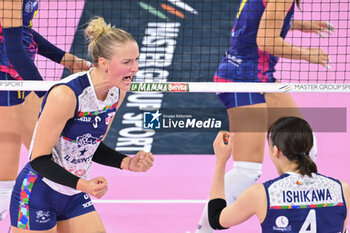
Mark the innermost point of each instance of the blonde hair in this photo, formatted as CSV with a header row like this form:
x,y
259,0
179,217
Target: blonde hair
x,y
103,38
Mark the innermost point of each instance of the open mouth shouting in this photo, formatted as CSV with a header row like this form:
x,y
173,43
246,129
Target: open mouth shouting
x,y
127,80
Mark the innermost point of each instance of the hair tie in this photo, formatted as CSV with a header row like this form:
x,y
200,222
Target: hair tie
x,y
303,154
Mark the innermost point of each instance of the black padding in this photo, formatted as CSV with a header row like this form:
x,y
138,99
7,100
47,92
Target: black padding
x,y
47,168
107,156
215,206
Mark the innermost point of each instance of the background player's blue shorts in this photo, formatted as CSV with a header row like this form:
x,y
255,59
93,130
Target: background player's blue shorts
x,y
231,100
243,69
10,98
35,206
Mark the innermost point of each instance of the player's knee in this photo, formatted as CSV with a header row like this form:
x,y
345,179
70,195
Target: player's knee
x,y
240,177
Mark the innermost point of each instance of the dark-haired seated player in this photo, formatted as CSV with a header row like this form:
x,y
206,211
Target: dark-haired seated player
x,y
257,42
19,44
300,200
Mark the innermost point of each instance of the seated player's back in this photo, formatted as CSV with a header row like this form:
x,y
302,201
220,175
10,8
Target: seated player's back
x,y
304,204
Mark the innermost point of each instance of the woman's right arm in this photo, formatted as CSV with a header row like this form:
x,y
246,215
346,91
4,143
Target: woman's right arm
x,y
59,108
269,39
251,201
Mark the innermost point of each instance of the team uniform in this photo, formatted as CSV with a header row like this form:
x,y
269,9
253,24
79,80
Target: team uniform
x,y
7,72
38,203
244,61
298,203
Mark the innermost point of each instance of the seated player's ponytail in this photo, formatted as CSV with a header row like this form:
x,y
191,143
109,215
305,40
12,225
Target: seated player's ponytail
x,y
293,136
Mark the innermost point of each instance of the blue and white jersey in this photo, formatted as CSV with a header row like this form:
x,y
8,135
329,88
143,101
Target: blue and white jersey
x,y
244,61
304,204
83,133
245,30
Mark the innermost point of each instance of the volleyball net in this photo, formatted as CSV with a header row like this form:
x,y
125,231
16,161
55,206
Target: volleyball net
x,y
183,41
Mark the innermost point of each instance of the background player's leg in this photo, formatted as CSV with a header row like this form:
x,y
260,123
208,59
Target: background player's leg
x,y
248,124
282,104
31,109
279,105
87,223
10,146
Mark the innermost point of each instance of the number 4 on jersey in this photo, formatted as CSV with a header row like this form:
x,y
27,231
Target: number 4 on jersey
x,y
309,225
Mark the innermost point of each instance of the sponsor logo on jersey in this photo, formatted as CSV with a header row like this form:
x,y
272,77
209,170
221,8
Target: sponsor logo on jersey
x,y
84,119
282,224
109,117
42,216
233,60
87,204
86,139
97,119
29,7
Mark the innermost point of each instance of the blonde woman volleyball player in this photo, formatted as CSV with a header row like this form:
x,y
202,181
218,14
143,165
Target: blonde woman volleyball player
x,y
257,41
19,44
299,200
73,122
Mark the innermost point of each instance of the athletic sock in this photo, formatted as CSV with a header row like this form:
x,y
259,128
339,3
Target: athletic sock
x,y
5,197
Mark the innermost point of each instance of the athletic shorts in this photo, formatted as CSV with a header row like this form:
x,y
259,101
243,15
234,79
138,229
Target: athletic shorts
x,y
36,206
10,98
243,69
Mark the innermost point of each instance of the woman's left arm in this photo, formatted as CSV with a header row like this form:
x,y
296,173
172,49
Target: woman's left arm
x,y
250,202
52,52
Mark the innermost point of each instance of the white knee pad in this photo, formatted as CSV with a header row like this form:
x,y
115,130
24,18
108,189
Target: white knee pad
x,y
313,151
241,176
5,197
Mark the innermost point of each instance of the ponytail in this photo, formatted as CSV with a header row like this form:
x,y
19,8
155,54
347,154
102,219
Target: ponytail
x,y
293,136
306,165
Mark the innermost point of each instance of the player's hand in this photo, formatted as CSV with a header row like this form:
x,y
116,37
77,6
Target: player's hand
x,y
141,162
318,27
317,56
75,64
223,144
96,187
